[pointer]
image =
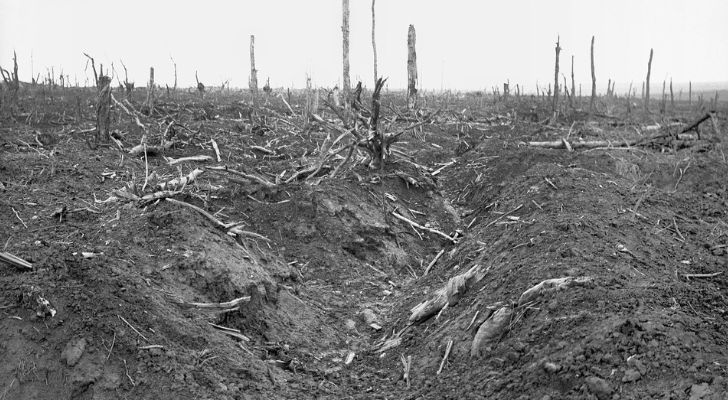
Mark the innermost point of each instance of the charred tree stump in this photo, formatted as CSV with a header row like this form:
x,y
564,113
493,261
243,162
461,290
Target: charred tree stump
x,y
253,73
594,80
150,91
103,111
200,87
647,83
411,68
12,83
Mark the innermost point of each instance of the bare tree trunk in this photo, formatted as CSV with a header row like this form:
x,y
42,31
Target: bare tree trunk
x,y
374,44
253,84
672,97
594,79
690,93
150,91
647,83
174,64
573,84
411,68
664,99
345,41
200,86
555,100
309,101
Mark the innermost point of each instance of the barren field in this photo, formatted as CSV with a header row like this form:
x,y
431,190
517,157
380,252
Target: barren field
x,y
475,263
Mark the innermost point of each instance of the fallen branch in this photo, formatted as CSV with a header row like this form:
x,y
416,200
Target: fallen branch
x,y
444,359
15,261
424,228
219,306
434,260
714,274
217,150
251,177
173,161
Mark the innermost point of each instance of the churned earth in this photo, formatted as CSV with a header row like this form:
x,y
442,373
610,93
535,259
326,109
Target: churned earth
x,y
595,273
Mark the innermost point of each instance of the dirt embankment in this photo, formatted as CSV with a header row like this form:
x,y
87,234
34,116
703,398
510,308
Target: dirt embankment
x,y
628,247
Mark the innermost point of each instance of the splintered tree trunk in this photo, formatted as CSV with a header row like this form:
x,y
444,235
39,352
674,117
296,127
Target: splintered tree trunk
x,y
374,43
555,100
150,91
647,83
690,93
609,87
573,84
174,64
309,101
411,68
672,97
345,41
664,99
594,79
103,109
253,73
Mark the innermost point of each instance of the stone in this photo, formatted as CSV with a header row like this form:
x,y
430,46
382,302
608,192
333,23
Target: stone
x,y
73,351
369,316
700,391
551,367
599,387
631,375
350,324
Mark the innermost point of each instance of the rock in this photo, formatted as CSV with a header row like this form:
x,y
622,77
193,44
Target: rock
x,y
369,316
698,392
350,324
551,367
631,375
73,351
635,362
599,387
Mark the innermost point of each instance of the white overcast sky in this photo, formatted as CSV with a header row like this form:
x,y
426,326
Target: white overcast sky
x,y
460,44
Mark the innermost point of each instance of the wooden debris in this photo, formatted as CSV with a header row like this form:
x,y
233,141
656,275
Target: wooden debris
x,y
551,285
491,329
406,365
434,260
448,294
390,344
181,182
217,150
173,161
251,177
424,228
713,275
15,261
444,358
220,306
230,331
150,150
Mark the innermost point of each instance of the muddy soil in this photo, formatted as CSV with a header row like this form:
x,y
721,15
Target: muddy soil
x,y
331,270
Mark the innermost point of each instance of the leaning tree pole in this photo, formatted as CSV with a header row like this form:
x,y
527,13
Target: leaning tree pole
x,y
345,31
411,68
647,84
